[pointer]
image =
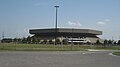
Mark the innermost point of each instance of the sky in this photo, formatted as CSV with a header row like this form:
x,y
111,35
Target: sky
x,y
18,16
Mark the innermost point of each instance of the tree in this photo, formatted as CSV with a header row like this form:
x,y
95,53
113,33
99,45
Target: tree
x,y
6,40
65,41
24,40
15,40
110,41
28,39
118,42
98,42
33,40
105,42
44,41
51,42
19,40
115,43
58,41
88,43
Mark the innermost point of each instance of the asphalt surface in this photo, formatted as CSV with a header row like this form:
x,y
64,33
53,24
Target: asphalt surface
x,y
59,59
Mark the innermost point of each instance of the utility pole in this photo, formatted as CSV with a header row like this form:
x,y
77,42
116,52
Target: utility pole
x,y
56,24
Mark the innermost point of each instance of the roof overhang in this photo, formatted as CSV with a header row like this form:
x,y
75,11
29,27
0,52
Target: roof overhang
x,y
65,30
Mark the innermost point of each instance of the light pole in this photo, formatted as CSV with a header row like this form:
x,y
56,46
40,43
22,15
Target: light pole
x,y
3,35
56,24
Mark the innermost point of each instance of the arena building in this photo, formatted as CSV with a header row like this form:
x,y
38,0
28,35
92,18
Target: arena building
x,y
71,35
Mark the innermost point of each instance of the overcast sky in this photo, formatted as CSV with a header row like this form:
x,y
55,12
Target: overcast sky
x,y
18,16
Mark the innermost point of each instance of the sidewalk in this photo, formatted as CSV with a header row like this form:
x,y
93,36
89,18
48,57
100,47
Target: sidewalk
x,y
101,50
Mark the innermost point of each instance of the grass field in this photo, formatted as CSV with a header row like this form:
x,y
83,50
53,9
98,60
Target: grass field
x,y
46,47
117,53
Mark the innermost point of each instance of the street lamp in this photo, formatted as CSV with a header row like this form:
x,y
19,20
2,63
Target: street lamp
x,y
56,24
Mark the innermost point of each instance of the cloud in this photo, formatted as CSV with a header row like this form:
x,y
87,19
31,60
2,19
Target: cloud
x,y
103,22
107,20
74,23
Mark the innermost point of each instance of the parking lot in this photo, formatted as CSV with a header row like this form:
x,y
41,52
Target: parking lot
x,y
58,59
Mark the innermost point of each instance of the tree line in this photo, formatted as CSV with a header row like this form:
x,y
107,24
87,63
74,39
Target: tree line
x,y
108,42
35,40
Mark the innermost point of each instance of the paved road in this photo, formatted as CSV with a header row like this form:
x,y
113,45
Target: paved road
x,y
59,59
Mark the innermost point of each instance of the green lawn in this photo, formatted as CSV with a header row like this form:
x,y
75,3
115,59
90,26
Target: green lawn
x,y
107,47
39,47
50,47
117,53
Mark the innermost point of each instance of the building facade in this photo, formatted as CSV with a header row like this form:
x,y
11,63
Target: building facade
x,y
70,35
